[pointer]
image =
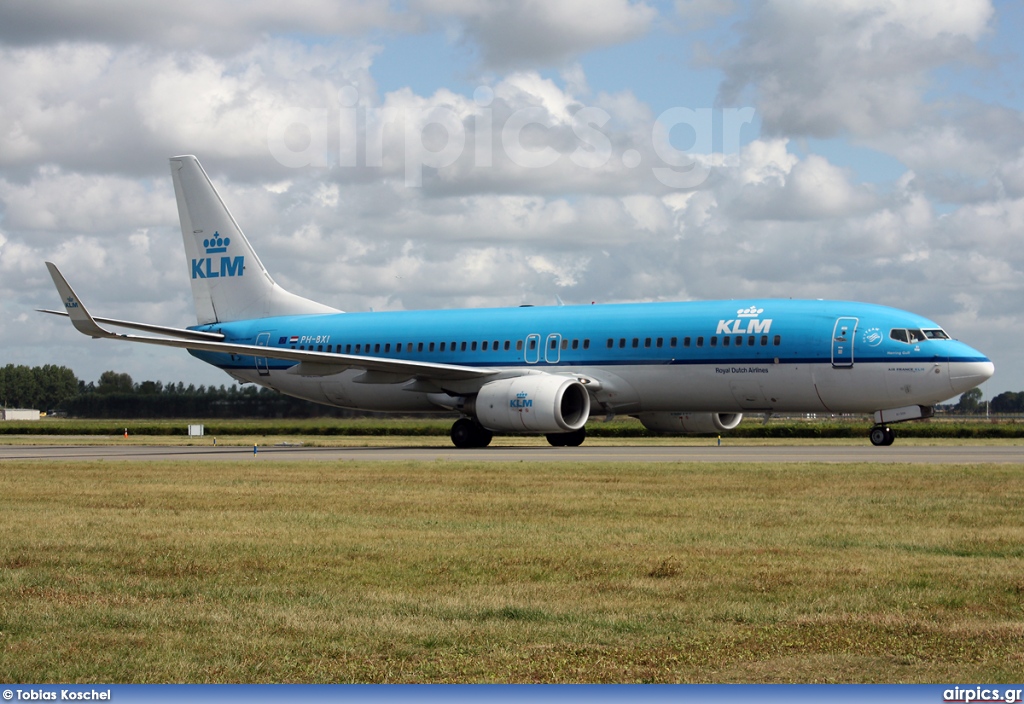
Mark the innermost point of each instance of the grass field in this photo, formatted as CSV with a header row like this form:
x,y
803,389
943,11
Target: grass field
x,y
456,572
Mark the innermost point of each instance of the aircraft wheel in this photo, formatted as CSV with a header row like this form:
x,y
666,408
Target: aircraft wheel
x,y
573,439
890,436
467,433
881,436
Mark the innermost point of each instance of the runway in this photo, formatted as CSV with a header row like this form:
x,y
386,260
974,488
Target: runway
x,y
932,455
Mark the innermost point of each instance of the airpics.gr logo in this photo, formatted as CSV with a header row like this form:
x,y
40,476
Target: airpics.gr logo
x,y
217,267
520,401
746,321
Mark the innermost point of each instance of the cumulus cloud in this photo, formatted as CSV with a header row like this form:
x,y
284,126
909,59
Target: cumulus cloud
x,y
518,33
540,183
821,68
216,27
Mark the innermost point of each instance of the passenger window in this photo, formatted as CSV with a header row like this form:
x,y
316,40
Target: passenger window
x,y
586,343
700,341
622,342
673,341
398,347
376,348
419,346
442,347
463,346
319,348
565,343
519,345
636,342
647,342
764,340
714,341
431,346
533,343
725,341
554,343
472,346
686,342
611,343
358,347
739,341
387,347
575,344
485,346
506,345
660,342
777,341
348,348
495,346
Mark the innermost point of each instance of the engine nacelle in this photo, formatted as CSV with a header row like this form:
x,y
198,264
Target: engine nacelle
x,y
690,422
538,403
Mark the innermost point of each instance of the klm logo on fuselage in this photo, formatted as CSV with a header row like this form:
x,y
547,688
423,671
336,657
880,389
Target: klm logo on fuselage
x,y
520,401
746,322
217,267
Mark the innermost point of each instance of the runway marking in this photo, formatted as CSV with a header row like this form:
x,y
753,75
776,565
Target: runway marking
x,y
938,454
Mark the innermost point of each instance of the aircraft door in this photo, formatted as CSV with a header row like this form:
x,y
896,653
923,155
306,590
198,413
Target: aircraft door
x,y
262,366
552,351
531,355
843,335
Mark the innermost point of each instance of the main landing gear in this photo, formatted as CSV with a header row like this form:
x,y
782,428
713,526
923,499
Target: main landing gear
x,y
882,436
468,433
573,439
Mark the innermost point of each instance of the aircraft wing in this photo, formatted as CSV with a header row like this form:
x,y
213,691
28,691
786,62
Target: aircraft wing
x,y
378,369
147,327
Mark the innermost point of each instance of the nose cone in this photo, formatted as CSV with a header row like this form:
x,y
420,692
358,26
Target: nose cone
x,y
965,374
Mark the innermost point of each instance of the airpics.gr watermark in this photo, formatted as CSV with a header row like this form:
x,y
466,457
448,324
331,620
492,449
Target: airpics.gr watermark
x,y
438,136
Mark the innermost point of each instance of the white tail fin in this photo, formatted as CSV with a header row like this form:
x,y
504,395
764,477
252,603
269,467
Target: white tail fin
x,y
229,282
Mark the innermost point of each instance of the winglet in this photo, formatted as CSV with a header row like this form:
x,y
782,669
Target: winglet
x,y
80,317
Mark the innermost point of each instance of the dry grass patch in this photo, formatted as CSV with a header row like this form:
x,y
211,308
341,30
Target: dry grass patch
x,y
454,572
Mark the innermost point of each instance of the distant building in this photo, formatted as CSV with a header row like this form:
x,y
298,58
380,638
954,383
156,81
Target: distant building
x,y
18,414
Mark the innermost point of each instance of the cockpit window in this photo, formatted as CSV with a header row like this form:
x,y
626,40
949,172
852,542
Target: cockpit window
x,y
913,336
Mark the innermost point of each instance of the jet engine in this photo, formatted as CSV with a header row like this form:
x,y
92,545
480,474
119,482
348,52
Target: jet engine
x,y
538,403
690,422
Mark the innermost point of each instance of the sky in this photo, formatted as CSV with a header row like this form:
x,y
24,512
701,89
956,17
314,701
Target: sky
x,y
470,153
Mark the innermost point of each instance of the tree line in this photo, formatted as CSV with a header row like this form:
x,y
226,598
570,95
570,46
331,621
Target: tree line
x,y
116,395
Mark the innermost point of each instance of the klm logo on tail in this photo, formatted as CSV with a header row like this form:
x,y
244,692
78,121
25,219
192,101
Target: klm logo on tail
x,y
217,267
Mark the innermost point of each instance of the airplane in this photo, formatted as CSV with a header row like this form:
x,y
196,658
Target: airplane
x,y
685,367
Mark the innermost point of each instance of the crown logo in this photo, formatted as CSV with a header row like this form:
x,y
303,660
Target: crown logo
x,y
750,312
521,394
216,243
